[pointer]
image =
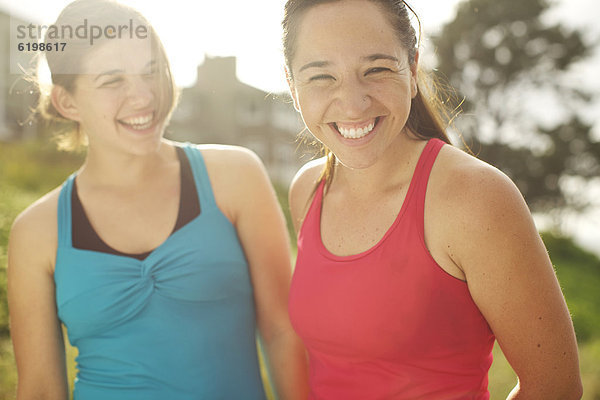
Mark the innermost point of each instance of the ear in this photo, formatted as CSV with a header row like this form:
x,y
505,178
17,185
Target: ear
x,y
414,68
64,103
290,82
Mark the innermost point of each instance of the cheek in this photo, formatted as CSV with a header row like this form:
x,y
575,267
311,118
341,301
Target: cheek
x,y
100,115
100,112
313,105
396,98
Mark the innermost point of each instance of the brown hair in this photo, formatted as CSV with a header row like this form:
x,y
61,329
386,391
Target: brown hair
x,y
429,114
65,66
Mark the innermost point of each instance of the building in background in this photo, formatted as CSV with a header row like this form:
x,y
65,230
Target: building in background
x,y
217,109
221,109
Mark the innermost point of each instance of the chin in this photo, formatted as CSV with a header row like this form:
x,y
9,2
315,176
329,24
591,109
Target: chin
x,y
141,148
356,163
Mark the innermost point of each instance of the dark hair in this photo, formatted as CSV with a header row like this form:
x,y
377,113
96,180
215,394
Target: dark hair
x,y
65,66
429,115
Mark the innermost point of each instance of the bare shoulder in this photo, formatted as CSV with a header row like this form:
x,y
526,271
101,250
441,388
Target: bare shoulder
x,y
472,186
232,168
225,161
38,217
477,208
36,228
231,165
238,177
302,189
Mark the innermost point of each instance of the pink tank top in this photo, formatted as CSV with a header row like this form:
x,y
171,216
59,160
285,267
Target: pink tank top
x,y
388,323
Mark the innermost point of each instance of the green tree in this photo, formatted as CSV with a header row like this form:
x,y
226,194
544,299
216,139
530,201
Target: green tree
x,y
520,112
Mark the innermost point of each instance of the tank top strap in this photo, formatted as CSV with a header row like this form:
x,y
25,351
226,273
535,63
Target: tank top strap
x,y
64,212
421,176
201,179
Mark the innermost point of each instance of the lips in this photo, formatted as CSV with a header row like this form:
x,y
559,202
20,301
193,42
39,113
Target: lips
x,y
355,130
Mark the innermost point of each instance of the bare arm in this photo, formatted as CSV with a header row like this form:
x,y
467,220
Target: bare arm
x,y
34,326
261,228
493,240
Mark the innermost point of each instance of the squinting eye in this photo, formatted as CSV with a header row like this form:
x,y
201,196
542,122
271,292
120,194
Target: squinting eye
x,y
321,77
377,70
112,82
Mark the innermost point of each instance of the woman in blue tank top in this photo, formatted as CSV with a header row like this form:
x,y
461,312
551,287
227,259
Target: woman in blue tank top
x,y
160,259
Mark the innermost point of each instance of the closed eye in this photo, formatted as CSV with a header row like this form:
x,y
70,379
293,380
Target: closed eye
x,y
321,77
112,82
377,70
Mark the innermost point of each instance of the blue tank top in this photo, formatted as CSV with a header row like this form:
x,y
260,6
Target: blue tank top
x,y
179,324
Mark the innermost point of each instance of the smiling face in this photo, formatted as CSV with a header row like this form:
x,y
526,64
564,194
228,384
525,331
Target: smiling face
x,y
351,80
117,102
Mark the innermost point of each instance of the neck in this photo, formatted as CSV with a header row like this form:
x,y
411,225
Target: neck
x,y
394,168
121,169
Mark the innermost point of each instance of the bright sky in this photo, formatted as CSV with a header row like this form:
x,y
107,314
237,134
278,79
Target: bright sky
x,y
250,31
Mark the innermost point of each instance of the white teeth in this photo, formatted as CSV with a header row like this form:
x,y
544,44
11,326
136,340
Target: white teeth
x,y
355,133
139,123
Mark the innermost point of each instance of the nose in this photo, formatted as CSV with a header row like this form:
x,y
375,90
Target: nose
x,y
140,92
353,97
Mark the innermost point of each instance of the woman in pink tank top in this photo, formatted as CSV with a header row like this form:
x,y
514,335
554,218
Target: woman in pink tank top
x,y
413,256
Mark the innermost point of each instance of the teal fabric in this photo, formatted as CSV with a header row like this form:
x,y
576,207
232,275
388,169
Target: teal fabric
x,y
178,325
